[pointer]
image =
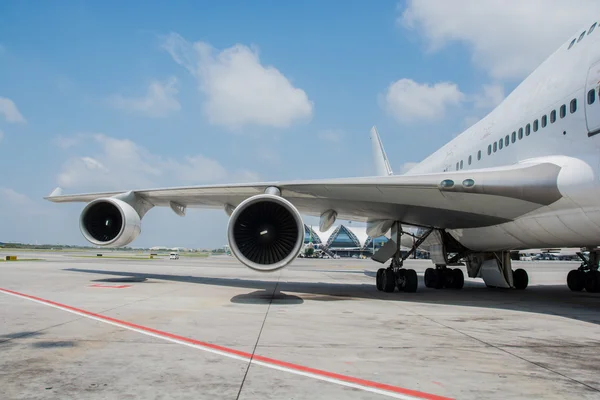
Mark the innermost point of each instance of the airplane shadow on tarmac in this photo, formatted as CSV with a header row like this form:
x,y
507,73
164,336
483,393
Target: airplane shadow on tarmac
x,y
543,299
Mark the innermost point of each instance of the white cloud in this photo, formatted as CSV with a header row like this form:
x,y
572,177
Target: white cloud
x,y
159,101
20,202
508,39
66,142
121,164
331,135
407,100
10,111
239,89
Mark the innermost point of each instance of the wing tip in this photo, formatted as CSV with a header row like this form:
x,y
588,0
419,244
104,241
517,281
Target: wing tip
x,y
55,193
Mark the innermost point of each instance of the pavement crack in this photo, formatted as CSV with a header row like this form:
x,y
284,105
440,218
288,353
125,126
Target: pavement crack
x,y
33,333
504,350
258,337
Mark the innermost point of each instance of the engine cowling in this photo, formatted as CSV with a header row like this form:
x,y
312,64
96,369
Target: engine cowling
x,y
109,222
265,232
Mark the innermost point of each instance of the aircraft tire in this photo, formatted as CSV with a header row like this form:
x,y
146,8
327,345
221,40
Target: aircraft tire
x,y
520,279
458,280
447,278
576,280
429,277
438,282
592,281
411,281
379,279
388,281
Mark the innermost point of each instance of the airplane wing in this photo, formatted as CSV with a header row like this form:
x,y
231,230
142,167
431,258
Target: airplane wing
x,y
459,199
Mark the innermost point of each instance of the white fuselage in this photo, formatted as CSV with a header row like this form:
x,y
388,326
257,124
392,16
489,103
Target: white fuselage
x,y
565,78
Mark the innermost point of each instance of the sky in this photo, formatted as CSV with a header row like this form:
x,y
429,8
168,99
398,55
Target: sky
x,y
115,95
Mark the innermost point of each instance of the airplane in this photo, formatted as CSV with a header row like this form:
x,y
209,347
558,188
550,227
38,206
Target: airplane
x,y
527,175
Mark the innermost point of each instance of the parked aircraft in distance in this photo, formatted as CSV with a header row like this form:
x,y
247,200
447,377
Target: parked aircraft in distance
x,y
525,176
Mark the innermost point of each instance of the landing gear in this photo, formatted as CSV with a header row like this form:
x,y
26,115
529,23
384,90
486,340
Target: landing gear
x,y
443,277
406,280
579,279
587,275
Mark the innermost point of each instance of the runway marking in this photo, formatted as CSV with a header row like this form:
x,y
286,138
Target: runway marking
x,y
332,377
98,285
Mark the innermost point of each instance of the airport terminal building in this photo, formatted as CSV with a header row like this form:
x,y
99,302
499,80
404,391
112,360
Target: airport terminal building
x,y
343,241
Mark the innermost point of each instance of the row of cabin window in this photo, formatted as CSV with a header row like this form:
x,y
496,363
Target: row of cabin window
x,y
562,111
582,35
591,98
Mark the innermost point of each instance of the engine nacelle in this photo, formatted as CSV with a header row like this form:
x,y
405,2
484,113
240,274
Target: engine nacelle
x,y
109,222
265,232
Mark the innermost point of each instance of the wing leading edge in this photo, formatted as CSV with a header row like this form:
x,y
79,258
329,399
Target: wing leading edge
x,y
460,199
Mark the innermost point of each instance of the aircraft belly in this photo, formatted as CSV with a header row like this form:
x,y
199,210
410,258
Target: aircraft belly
x,y
568,228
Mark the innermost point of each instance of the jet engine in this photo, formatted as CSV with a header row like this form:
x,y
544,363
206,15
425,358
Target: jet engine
x,y
265,232
109,222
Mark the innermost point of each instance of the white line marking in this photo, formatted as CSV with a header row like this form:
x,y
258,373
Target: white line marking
x,y
230,355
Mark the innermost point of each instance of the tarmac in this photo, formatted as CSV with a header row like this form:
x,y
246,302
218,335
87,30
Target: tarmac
x,y
74,325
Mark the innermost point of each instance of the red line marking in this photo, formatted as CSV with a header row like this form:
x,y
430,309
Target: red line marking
x,y
98,285
296,367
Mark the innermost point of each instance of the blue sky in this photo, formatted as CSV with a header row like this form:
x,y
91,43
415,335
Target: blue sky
x,y
113,95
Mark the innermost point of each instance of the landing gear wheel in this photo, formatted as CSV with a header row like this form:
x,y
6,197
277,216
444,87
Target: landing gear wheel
x,y
411,281
429,277
438,281
520,279
379,279
400,278
576,280
592,281
447,278
389,280
458,280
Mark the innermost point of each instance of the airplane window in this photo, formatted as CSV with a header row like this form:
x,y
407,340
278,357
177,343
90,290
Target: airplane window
x,y
489,149
535,125
479,155
506,140
500,144
573,106
544,121
581,36
495,146
457,165
527,131
461,164
592,28
563,111
514,135
591,96
553,116
572,43
469,160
